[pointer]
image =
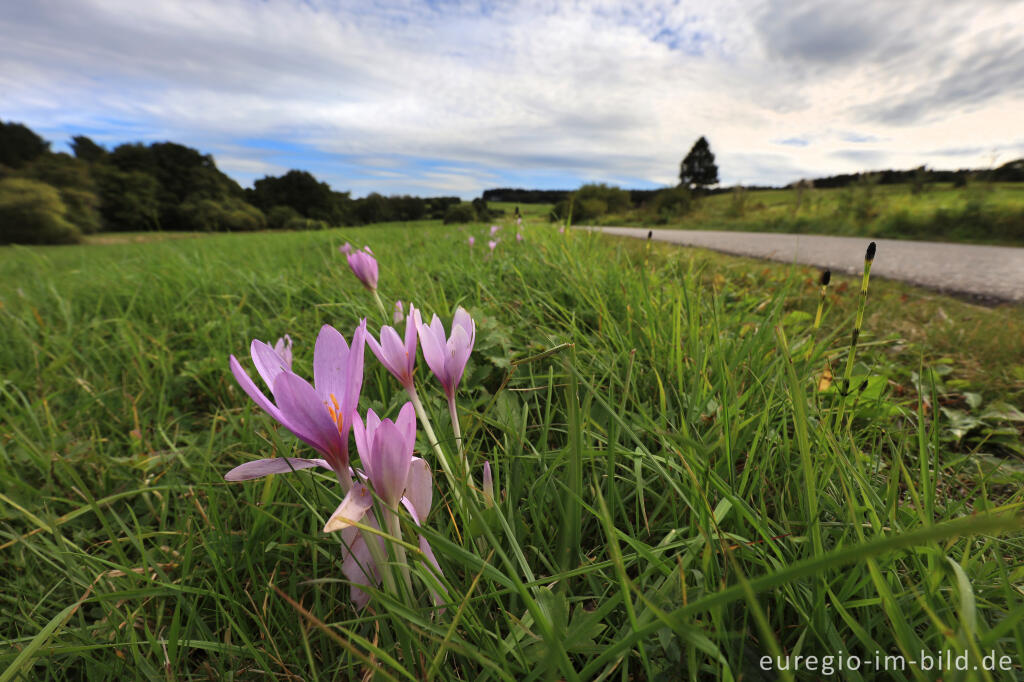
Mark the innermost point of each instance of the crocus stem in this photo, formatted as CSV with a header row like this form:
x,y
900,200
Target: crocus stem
x,y
395,530
458,431
344,478
380,305
377,552
441,457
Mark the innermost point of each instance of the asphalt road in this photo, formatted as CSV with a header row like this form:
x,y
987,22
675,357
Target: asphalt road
x,y
986,273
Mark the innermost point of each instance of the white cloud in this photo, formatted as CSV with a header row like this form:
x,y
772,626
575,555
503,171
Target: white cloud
x,y
602,91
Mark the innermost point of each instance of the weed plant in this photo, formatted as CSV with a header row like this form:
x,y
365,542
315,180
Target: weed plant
x,y
677,493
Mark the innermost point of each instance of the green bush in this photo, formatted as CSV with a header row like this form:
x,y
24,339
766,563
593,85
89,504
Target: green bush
x,y
616,199
83,209
224,215
859,201
31,212
128,199
460,213
672,203
300,223
279,217
588,208
737,202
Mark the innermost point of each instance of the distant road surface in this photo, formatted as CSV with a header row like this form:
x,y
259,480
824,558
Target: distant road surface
x,y
989,273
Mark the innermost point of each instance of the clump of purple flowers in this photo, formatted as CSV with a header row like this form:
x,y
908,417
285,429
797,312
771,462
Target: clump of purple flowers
x,y
389,476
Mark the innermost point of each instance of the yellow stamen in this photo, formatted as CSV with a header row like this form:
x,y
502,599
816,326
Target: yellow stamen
x,y
335,411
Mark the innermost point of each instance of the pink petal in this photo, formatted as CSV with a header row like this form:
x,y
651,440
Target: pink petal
x,y
278,465
249,386
433,350
354,374
330,364
419,490
395,357
362,446
351,510
406,423
305,414
283,348
392,457
410,339
460,348
268,363
358,565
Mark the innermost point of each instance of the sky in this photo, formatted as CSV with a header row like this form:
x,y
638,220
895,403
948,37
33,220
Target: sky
x,y
451,98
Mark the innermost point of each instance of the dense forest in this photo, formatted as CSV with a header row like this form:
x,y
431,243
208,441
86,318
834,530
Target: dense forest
x,y
48,197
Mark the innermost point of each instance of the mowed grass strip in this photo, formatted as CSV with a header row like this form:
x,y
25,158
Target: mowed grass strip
x,y
674,498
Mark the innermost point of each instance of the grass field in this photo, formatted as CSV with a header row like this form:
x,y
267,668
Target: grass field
x,y
984,213
681,486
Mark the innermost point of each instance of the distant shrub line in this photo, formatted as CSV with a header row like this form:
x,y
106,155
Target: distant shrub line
x,y
56,198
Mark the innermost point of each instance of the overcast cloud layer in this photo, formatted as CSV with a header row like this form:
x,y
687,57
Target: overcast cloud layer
x,y
452,98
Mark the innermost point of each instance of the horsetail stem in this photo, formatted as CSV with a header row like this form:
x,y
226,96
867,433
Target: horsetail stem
x,y
826,277
869,258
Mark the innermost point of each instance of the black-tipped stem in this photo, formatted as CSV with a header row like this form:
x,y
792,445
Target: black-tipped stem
x,y
826,277
855,335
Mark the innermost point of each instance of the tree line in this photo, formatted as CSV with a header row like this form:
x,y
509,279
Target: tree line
x,y
48,197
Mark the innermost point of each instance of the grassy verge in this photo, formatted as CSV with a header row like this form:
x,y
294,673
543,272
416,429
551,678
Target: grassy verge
x,y
677,495
982,213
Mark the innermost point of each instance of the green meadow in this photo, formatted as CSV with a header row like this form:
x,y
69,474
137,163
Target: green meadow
x,y
689,474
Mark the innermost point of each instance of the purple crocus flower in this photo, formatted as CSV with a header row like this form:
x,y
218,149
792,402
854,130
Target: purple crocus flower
x,y
345,248
397,355
319,415
447,357
488,485
283,348
386,453
472,240
519,236
364,265
492,243
494,229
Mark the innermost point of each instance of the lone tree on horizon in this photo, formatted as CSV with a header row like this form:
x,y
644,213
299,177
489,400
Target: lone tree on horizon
x,y
698,169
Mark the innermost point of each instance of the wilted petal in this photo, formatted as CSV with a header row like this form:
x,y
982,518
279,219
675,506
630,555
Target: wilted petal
x,y
305,414
351,510
278,465
392,456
